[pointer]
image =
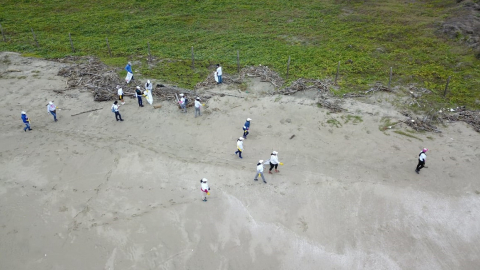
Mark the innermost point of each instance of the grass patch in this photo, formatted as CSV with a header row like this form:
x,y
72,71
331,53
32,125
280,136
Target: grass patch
x,y
366,37
386,123
430,138
406,134
334,123
277,99
354,118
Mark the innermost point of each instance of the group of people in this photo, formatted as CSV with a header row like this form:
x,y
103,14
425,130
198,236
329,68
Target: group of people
x,y
183,102
51,108
273,161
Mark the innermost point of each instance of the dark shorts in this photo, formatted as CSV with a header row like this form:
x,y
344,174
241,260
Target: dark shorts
x,y
120,97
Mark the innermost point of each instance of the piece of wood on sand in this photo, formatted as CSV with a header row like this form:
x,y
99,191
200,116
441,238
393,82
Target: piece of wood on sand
x,y
157,106
86,111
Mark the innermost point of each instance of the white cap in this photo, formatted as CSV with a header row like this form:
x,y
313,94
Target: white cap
x,y
260,161
198,98
181,95
50,102
118,86
130,63
274,152
138,87
148,81
241,138
204,180
248,119
24,112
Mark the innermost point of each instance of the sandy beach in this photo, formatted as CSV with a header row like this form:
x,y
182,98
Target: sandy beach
x,y
88,192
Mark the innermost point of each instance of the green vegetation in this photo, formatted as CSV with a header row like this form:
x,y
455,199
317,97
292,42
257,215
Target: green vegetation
x,y
334,123
406,134
386,124
367,37
354,118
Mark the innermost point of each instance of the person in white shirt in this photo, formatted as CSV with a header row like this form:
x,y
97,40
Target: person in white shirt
x,y
182,103
274,162
422,157
120,94
239,147
219,73
198,105
148,85
51,108
260,171
115,110
204,188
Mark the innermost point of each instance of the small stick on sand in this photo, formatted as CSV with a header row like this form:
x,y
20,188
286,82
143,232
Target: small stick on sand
x,y
87,111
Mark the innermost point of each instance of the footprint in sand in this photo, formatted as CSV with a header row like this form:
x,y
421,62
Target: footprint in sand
x,y
302,224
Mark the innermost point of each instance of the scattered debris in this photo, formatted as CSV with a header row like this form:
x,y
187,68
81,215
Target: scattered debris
x,y
306,84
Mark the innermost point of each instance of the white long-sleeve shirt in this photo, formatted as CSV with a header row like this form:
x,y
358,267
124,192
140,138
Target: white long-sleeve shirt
x,y
182,101
204,186
219,71
240,145
260,168
115,108
422,157
51,107
197,104
148,86
274,159
120,91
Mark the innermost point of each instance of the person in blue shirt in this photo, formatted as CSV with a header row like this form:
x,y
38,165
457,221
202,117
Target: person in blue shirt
x,y
246,128
128,68
26,121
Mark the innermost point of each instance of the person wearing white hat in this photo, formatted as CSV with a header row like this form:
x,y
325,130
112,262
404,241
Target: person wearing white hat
x,y
51,108
120,94
260,171
204,188
182,103
274,162
239,147
138,94
148,85
246,128
26,121
198,105
422,157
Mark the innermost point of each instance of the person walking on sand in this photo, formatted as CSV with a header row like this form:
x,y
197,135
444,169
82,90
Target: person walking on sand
x,y
148,86
129,70
51,108
219,73
204,188
274,162
120,94
260,171
246,128
422,157
198,105
239,147
139,94
115,110
26,121
182,103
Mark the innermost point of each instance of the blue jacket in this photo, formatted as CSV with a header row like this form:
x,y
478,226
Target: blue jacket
x,y
129,68
24,118
247,124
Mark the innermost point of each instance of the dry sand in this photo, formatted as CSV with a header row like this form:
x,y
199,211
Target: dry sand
x,y
88,192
